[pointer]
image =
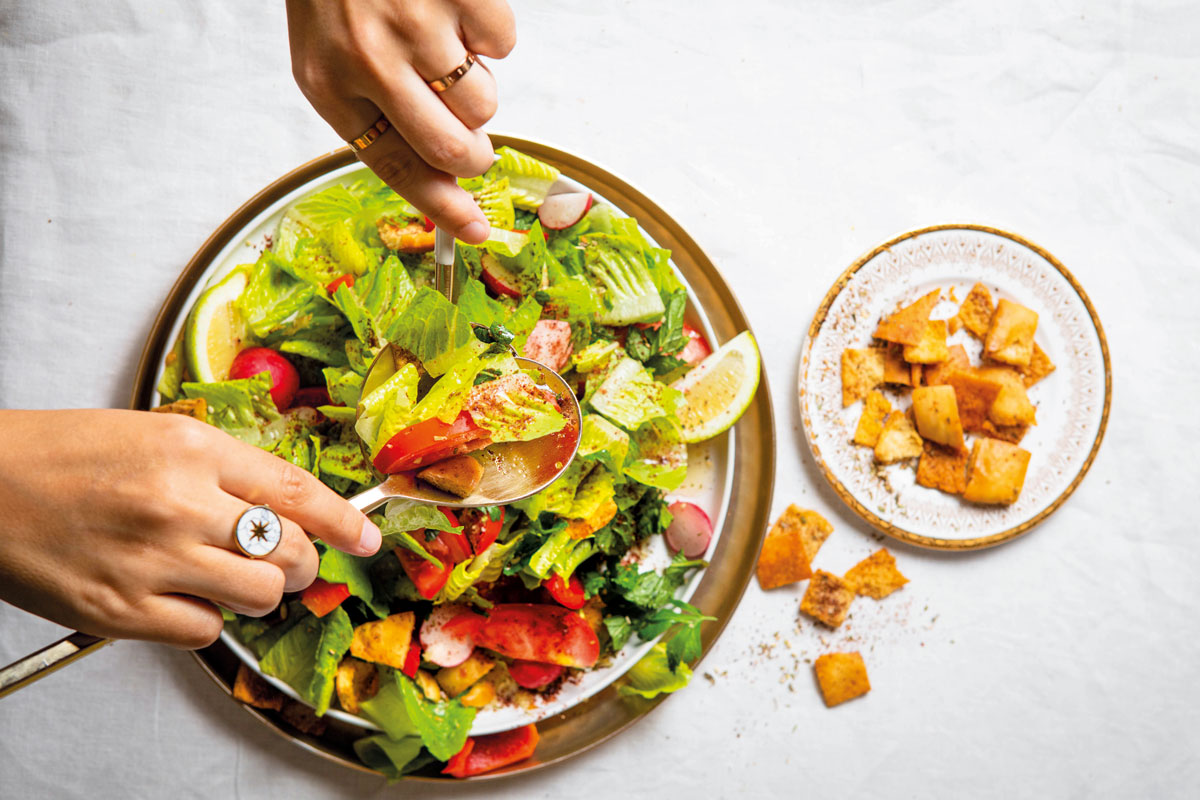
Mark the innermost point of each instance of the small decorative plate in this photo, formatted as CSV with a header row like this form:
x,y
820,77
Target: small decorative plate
x,y
1072,402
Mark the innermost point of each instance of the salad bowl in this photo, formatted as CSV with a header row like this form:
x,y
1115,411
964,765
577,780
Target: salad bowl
x,y
736,487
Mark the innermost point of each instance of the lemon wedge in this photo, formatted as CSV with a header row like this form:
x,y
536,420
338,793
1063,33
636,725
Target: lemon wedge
x,y
215,332
719,389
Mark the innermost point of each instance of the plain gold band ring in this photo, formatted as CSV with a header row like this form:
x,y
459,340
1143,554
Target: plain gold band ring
x,y
368,137
446,81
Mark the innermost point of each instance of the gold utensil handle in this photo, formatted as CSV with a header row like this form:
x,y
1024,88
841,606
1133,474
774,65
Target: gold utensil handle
x,y
35,666
443,257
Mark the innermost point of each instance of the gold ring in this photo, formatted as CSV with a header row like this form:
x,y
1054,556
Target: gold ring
x,y
446,81
258,531
368,137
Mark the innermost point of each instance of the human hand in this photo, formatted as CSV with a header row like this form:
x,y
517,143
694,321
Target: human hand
x,y
356,59
120,523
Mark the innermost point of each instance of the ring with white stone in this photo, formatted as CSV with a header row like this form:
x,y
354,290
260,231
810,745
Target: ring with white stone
x,y
258,531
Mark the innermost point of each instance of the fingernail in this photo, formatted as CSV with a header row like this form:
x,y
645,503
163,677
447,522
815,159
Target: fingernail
x,y
368,543
474,232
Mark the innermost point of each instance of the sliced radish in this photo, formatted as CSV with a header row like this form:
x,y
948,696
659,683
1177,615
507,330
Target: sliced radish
x,y
559,211
497,277
690,530
446,648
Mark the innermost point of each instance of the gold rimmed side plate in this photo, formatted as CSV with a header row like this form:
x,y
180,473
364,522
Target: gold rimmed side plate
x,y
748,495
1072,403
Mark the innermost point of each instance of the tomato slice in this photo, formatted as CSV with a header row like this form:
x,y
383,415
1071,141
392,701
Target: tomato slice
x,y
412,659
485,753
532,675
480,528
346,280
449,548
568,593
697,349
428,441
321,597
538,632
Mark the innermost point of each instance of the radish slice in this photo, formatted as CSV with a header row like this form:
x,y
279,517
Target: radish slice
x,y
498,277
690,530
444,647
559,211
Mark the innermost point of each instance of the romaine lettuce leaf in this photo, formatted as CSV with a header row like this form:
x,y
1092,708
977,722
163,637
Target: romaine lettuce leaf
x,y
386,709
660,458
172,375
443,727
558,496
486,567
435,331
630,397
512,408
388,406
652,675
307,656
388,756
617,266
272,296
242,408
344,385
602,441
345,459
529,180
595,490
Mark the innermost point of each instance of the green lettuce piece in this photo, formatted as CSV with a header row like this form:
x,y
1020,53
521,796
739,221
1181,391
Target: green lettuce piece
x,y
570,558
486,567
571,297
595,356
512,408
345,459
494,199
435,331
542,562
595,490
339,413
558,496
388,404
602,441
358,205
387,755
443,727
339,567
615,263
658,260
172,375
652,675
300,445
272,296
385,292
404,516
386,709
350,256
630,397
529,180
307,656
474,302
660,458
344,385
242,408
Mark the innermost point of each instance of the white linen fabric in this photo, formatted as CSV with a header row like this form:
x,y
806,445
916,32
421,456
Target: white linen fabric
x,y
787,138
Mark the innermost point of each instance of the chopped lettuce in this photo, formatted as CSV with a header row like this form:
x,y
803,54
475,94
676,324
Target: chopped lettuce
x,y
272,296
529,180
344,385
172,375
443,726
558,496
630,397
307,656
660,458
616,265
345,460
434,331
595,490
494,199
387,406
483,568
652,676
386,709
389,756
602,441
242,408
512,408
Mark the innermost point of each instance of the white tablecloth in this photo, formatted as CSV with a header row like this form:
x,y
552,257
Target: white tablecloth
x,y
787,137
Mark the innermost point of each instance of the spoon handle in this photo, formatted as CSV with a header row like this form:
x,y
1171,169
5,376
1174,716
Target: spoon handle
x,y
443,256
35,666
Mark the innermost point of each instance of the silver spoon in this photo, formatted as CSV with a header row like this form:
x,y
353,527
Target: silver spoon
x,y
511,470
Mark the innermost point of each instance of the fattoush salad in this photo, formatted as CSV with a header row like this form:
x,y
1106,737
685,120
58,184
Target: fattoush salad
x,y
462,610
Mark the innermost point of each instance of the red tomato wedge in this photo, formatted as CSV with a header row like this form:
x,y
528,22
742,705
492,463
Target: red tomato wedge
x,y
321,597
448,548
480,528
428,441
536,632
483,754
568,593
412,659
532,675
346,280
697,349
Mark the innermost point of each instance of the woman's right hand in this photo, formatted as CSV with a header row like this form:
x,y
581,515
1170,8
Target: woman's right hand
x,y
120,523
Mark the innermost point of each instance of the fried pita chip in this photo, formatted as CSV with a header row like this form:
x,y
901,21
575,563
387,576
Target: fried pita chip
x,y
303,718
197,409
895,368
354,682
1010,336
898,440
975,396
1039,366
936,413
907,325
956,359
915,371
862,371
995,472
784,558
942,468
1013,434
1011,407
870,424
253,690
876,575
932,347
841,676
975,313
827,598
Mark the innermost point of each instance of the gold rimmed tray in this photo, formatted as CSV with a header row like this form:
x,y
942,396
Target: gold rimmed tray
x,y
747,491
1072,402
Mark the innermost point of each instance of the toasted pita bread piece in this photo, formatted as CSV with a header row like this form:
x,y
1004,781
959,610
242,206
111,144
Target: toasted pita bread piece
x,y
895,368
898,440
841,677
942,468
907,325
1011,407
827,598
870,424
1039,366
936,413
355,681
197,409
876,575
862,371
1013,434
975,313
1010,336
995,472
783,558
932,347
384,641
253,690
956,359
974,396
